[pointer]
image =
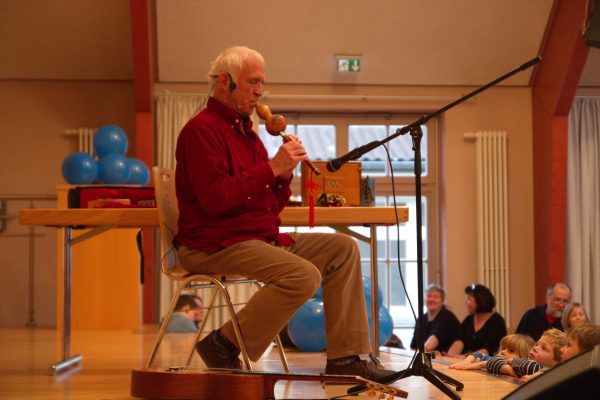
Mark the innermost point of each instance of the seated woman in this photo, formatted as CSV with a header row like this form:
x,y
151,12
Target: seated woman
x,y
441,325
482,330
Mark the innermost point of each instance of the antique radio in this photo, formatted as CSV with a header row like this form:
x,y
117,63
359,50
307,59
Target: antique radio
x,y
345,182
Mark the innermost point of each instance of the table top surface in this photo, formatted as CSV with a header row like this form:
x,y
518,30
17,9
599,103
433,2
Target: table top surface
x,y
148,217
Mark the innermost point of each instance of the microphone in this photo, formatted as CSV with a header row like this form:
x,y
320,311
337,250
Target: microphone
x,y
337,163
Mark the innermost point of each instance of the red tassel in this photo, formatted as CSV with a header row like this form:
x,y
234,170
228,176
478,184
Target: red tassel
x,y
311,185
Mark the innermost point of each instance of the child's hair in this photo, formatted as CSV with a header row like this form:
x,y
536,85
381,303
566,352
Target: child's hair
x,y
558,339
567,314
518,343
587,336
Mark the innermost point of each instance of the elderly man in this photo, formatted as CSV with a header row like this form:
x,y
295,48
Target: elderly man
x,y
229,195
543,317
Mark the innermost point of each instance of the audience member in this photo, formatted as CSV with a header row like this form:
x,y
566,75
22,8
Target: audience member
x,y
483,328
573,314
511,346
537,320
187,315
580,338
545,354
441,324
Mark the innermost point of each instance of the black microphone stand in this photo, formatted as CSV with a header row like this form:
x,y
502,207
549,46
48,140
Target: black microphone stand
x,y
421,363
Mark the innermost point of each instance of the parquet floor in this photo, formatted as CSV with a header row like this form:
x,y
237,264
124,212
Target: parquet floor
x,y
110,356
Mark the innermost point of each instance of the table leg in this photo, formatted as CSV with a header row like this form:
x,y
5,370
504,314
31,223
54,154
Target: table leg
x,y
374,292
66,360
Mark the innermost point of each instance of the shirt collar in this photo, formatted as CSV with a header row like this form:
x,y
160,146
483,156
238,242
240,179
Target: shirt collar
x,y
230,115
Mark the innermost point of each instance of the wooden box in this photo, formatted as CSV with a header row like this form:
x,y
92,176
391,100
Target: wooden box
x,y
345,181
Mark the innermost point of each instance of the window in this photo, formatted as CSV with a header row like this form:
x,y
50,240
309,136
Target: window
x,y
329,136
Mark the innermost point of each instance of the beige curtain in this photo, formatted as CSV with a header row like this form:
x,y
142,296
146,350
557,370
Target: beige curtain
x,y
583,205
173,110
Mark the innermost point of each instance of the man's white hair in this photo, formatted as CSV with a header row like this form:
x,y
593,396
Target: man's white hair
x,y
231,61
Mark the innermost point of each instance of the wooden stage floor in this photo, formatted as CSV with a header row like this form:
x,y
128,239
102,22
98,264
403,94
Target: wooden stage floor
x,y
110,356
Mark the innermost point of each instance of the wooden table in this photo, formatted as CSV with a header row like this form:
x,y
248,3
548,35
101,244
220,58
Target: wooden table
x,y
101,220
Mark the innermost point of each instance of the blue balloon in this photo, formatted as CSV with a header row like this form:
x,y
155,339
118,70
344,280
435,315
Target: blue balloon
x,y
367,287
113,169
110,139
319,293
306,329
79,168
386,325
139,172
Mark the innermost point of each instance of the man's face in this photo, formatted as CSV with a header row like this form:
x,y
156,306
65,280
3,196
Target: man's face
x,y
198,312
249,87
558,300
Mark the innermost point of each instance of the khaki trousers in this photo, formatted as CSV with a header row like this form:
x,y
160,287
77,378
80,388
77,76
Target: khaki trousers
x,y
291,276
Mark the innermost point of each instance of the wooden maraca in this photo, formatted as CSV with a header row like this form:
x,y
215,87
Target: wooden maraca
x,y
275,125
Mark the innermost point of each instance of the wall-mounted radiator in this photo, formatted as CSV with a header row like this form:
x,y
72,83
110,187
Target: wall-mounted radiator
x,y
85,139
492,215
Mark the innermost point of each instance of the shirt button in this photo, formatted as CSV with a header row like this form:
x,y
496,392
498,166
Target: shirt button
x,y
267,186
249,198
280,186
237,121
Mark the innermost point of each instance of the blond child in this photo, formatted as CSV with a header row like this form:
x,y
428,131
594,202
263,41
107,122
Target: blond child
x,y
580,338
545,354
574,314
511,346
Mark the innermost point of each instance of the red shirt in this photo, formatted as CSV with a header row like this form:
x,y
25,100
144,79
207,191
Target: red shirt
x,y
226,191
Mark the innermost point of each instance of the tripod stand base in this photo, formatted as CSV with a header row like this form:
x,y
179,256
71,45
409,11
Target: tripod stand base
x,y
421,366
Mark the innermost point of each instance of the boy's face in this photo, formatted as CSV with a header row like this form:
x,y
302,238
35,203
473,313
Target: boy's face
x,y
543,352
571,349
508,353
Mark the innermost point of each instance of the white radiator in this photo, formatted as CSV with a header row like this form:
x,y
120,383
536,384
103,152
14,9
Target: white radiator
x,y
492,215
85,139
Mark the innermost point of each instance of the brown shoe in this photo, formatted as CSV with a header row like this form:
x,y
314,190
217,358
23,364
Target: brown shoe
x,y
363,368
216,355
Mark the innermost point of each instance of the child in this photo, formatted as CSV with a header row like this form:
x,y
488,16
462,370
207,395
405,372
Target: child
x,y
511,346
574,314
580,338
545,354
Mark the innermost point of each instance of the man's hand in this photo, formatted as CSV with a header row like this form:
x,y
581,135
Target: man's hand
x,y
288,156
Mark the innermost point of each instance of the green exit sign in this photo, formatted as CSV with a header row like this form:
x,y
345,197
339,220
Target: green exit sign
x,y
347,64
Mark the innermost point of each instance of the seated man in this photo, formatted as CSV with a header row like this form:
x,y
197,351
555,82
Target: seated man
x,y
539,319
187,314
230,195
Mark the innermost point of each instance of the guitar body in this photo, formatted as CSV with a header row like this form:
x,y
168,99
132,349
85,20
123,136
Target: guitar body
x,y
189,383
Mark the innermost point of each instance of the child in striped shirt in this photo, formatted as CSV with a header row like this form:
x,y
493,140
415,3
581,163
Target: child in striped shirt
x,y
545,354
580,338
511,346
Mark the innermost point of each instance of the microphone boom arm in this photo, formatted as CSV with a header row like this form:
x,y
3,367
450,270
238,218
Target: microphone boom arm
x,y
337,163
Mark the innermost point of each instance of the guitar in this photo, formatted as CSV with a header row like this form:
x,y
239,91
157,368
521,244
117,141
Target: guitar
x,y
178,383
